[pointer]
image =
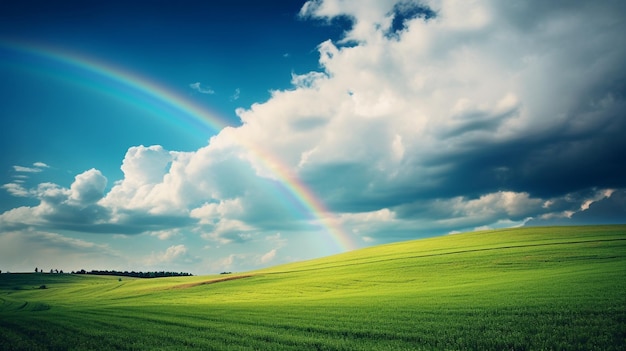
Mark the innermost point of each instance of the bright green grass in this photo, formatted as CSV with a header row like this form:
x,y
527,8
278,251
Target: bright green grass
x,y
554,288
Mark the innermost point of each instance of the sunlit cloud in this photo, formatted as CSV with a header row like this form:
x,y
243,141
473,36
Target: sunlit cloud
x,y
268,257
16,189
40,165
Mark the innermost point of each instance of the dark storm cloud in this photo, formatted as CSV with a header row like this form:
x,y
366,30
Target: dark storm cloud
x,y
545,166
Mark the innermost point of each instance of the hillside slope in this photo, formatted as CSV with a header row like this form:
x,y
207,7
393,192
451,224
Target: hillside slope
x,y
527,288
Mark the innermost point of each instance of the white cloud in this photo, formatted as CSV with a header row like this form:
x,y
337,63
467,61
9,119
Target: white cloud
x,y
166,234
151,180
229,263
462,212
269,256
202,89
368,15
599,195
506,203
145,165
88,187
503,223
368,218
172,256
226,231
235,95
84,208
277,239
210,213
173,252
27,169
37,167
16,189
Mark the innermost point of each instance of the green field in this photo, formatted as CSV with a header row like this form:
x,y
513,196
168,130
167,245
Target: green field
x,y
552,288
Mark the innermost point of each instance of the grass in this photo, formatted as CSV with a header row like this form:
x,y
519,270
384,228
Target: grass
x,y
553,288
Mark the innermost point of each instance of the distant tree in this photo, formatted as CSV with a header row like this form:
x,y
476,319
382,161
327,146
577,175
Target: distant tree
x,y
51,271
61,271
36,270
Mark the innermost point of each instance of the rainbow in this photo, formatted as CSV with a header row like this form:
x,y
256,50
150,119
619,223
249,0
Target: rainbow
x,y
191,113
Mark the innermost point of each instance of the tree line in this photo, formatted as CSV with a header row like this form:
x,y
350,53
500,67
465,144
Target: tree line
x,y
134,274
52,271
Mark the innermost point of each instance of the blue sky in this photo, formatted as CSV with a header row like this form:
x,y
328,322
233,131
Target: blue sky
x,y
399,119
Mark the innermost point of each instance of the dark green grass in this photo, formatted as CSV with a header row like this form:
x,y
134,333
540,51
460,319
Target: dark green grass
x,y
523,289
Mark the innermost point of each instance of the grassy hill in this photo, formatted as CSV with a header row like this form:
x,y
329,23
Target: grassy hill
x,y
552,288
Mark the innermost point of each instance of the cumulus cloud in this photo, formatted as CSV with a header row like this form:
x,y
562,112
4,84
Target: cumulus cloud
x,y
88,187
478,98
435,115
83,207
144,170
16,189
173,254
202,89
